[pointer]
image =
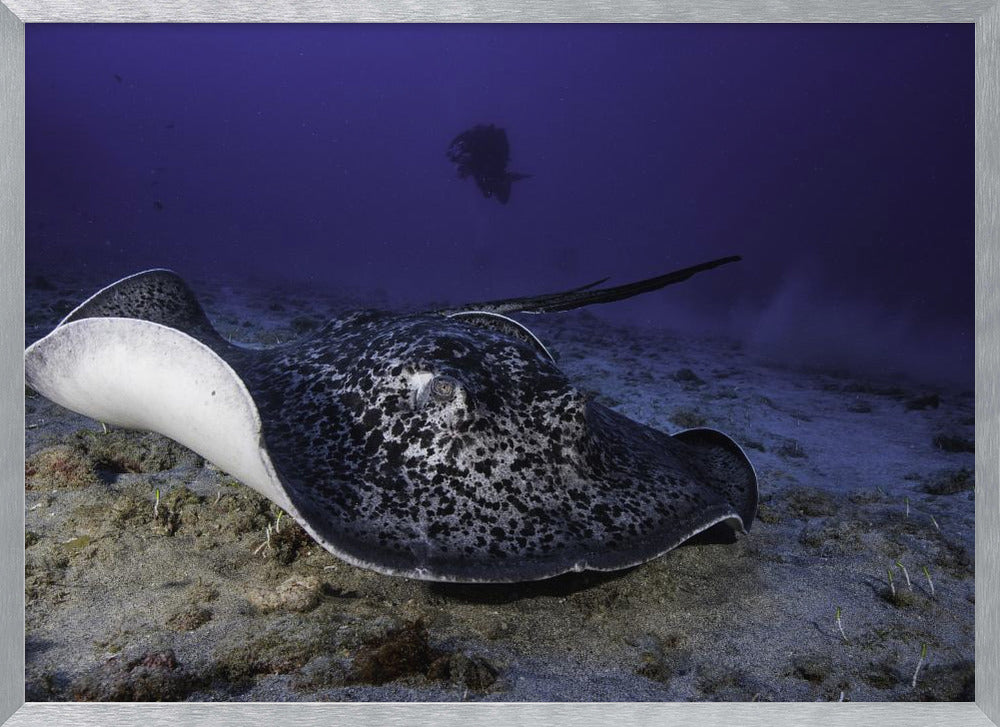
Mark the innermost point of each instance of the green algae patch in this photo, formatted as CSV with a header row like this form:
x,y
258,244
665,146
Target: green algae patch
x,y
660,658
178,508
461,669
399,653
687,376
290,542
950,483
59,467
189,618
951,682
900,597
767,514
202,592
75,545
809,502
687,419
241,510
406,652
130,509
720,682
283,648
44,573
832,538
812,667
122,451
152,677
881,674
791,449
955,559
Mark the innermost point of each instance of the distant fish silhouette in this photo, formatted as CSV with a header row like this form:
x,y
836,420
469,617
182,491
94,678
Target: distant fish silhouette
x,y
118,78
482,152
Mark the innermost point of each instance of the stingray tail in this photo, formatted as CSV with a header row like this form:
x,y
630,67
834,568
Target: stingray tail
x,y
159,296
586,295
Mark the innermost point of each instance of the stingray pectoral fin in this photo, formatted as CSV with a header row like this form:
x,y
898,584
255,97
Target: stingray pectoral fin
x,y
726,465
141,375
669,488
158,295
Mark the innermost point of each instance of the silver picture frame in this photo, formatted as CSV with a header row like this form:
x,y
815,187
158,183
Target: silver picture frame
x,y
985,14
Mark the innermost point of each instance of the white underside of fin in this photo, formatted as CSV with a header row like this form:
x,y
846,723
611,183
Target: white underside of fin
x,y
141,375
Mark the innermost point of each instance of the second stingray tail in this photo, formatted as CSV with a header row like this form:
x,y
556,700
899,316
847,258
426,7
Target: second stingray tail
x,y
587,295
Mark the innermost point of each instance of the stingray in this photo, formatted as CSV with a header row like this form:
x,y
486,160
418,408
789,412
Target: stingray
x,y
443,446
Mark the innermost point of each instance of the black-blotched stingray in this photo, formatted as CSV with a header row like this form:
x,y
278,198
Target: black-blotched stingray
x,y
443,446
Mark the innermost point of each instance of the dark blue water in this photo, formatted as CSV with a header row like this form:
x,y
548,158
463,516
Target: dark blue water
x,y
838,160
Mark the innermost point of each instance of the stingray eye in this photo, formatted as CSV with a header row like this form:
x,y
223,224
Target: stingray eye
x,y
443,388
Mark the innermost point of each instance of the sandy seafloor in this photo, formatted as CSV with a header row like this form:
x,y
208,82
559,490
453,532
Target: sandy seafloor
x,y
856,474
